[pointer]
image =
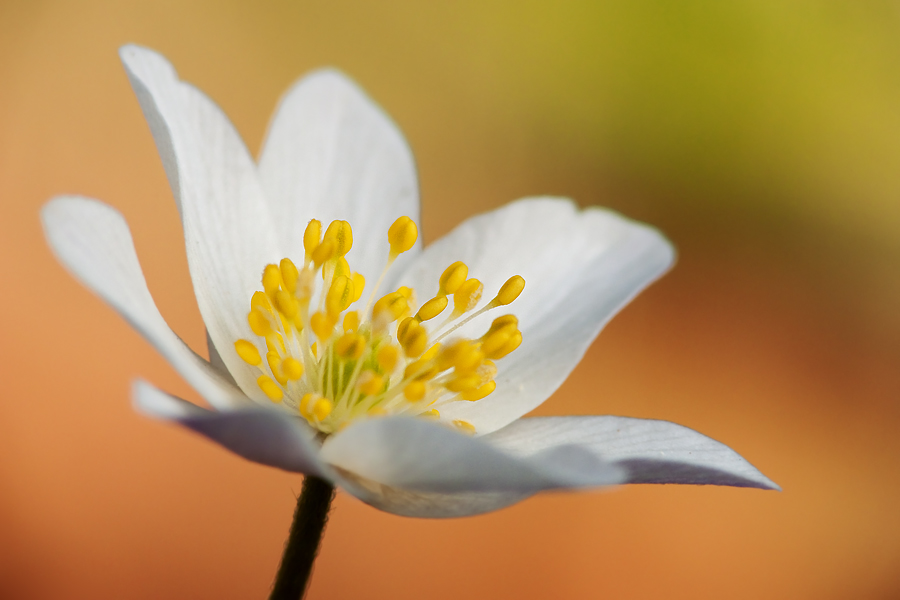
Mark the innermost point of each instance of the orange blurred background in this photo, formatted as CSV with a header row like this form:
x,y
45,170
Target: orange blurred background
x,y
763,137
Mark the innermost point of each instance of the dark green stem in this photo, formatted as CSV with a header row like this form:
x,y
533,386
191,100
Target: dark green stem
x,y
302,544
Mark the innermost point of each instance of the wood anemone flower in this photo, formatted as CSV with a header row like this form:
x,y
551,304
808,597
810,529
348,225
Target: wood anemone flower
x,y
343,349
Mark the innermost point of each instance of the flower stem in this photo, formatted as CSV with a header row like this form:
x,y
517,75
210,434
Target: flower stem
x,y
302,544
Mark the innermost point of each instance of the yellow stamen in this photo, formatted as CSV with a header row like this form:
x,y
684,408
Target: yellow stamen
x,y
350,346
453,277
324,251
369,383
351,321
311,237
248,352
342,235
464,427
402,235
414,391
467,296
387,357
270,388
259,324
509,291
479,393
292,368
289,274
321,325
274,361
432,308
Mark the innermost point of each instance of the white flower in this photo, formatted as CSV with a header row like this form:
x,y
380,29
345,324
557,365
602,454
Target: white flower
x,y
352,410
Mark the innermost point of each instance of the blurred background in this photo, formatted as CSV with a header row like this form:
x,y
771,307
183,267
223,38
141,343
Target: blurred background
x,y
762,136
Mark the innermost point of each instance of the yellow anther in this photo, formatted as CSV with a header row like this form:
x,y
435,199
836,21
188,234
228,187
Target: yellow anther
x,y
275,343
464,383
324,251
515,340
292,368
453,277
339,296
432,308
479,393
467,296
274,361
431,352
494,342
350,346
370,383
509,291
359,284
259,323
387,357
248,352
286,304
420,369
307,404
289,274
503,322
390,307
342,234
271,279
487,370
322,409
314,349
311,237
414,391
431,414
270,388
261,301
414,340
403,328
402,235
406,292
321,325
469,360
464,427
351,321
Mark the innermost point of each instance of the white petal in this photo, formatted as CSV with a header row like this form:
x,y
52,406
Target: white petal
x,y
228,230
650,451
417,455
332,153
92,240
580,268
266,436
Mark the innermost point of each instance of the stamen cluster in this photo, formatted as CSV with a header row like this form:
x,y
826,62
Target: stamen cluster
x,y
333,365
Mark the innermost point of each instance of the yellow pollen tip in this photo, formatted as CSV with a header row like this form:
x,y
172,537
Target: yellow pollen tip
x,y
311,237
286,304
515,340
324,251
270,388
321,325
402,235
431,352
292,368
467,296
339,296
271,279
274,361
359,284
509,291
342,235
261,301
464,427
479,393
390,307
404,291
248,352
403,328
453,277
414,340
432,308
259,323
431,414
387,357
414,391
504,321
350,346
370,383
494,342
313,405
322,409
351,321
464,383
289,274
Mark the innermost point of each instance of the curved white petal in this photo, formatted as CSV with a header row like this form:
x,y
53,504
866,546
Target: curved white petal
x,y
332,153
93,242
229,233
417,455
580,268
266,436
650,451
